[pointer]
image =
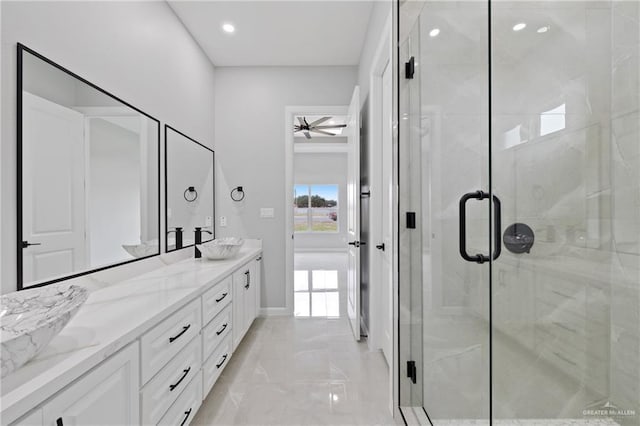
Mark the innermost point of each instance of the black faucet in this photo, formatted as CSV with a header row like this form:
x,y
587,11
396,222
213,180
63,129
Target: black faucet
x,y
199,232
178,232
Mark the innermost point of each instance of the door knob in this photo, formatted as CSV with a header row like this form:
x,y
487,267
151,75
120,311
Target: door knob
x,y
380,246
355,243
26,244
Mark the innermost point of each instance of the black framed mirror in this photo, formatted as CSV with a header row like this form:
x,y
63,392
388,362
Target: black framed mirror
x,y
189,190
88,184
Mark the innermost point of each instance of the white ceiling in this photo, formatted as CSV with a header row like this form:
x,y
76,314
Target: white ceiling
x,y
278,33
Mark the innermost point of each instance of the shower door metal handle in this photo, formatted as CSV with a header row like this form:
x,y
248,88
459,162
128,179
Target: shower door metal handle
x,y
497,225
478,258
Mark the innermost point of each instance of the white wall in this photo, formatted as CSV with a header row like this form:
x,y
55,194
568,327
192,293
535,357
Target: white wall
x,y
139,51
323,168
250,138
379,14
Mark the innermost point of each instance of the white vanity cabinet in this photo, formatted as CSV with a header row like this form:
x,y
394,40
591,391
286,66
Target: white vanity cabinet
x,y
246,285
167,366
107,395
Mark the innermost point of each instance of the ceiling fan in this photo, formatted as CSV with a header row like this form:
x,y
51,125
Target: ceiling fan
x,y
315,127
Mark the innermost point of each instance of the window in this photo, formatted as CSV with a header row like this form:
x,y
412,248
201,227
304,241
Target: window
x,y
315,208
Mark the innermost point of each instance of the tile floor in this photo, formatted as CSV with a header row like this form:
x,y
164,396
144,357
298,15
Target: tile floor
x,y
290,371
302,371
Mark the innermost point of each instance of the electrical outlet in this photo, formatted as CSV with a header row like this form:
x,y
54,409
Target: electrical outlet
x,y
223,221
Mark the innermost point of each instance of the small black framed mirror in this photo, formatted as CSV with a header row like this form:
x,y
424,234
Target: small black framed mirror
x,y
189,191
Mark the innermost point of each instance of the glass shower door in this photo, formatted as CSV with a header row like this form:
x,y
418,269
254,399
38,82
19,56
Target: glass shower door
x,y
565,163
537,106
444,156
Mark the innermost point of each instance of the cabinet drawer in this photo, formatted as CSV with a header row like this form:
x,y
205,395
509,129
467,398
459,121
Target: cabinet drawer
x,y
168,384
212,367
168,338
215,332
184,409
215,299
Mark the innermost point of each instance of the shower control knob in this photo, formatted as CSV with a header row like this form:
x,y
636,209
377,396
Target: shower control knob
x,y
518,238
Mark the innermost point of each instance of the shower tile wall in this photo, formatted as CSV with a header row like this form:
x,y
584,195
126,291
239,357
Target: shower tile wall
x,y
625,154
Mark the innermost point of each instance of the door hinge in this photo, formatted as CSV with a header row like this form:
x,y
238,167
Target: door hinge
x,y
410,68
412,371
411,220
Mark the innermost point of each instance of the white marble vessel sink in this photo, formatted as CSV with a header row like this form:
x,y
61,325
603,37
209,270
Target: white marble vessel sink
x,y
222,248
29,319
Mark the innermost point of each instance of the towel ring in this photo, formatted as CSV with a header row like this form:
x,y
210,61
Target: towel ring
x,y
190,190
237,197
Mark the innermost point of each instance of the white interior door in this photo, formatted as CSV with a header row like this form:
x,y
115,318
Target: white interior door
x,y
386,264
52,189
353,214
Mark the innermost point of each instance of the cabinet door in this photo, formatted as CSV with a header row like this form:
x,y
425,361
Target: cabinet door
x,y
238,329
250,296
108,395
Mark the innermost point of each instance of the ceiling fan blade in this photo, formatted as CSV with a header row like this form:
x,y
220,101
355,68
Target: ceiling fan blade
x,y
307,135
318,121
302,123
323,132
337,126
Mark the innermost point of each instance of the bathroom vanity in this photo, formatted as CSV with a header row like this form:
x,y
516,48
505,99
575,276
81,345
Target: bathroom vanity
x,y
142,350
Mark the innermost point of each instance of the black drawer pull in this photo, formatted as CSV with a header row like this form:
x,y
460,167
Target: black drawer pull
x,y
187,414
224,358
59,422
185,372
224,327
223,296
184,330
248,275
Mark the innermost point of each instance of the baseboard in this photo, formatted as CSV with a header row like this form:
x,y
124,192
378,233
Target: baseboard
x,y
274,312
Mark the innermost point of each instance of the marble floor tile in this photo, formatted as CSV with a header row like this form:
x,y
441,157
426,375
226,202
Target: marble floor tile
x,y
301,371
277,381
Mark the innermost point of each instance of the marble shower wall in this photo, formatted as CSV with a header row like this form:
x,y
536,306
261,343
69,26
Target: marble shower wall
x,y
625,202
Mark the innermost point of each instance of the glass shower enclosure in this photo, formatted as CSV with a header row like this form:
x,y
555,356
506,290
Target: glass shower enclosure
x,y
519,207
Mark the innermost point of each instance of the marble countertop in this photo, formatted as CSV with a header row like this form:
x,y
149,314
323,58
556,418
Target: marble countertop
x,y
119,309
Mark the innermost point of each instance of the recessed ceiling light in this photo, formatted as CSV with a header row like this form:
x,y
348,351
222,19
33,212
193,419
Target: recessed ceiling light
x,y
520,26
228,28
434,32
543,30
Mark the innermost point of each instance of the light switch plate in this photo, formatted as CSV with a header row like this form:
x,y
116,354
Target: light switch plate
x,y
267,212
208,221
223,221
